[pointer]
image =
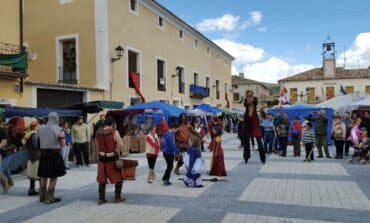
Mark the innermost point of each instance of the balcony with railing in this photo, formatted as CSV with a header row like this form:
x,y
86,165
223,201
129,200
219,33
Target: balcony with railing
x,y
13,61
67,75
198,91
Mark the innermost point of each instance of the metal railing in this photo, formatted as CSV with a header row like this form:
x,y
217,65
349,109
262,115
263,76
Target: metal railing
x,y
198,91
67,75
8,49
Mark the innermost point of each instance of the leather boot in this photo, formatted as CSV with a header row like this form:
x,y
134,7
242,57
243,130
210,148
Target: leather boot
x,y
117,193
4,183
150,177
42,194
50,199
102,199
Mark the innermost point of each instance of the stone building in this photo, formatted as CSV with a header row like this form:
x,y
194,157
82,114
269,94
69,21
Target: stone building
x,y
320,84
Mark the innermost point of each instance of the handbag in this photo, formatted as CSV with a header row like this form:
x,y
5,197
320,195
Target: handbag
x,y
118,164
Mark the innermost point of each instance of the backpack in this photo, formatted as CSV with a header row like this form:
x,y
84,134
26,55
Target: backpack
x,y
281,131
338,132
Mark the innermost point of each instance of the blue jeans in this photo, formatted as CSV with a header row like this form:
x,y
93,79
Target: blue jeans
x,y
5,165
268,138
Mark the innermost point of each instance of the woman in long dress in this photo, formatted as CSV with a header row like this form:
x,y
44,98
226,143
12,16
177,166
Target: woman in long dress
x,y
217,161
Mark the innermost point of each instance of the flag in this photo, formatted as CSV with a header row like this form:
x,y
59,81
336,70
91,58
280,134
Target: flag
x,y
284,97
342,90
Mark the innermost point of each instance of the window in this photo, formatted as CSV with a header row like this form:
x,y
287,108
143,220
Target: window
x,y
367,89
293,94
208,85
311,97
161,75
329,93
161,22
196,43
133,5
67,61
349,89
218,56
196,79
133,68
187,107
217,89
236,97
181,80
208,50
181,34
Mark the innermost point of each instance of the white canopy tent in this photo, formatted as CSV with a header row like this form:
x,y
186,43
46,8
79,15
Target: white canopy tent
x,y
343,102
363,104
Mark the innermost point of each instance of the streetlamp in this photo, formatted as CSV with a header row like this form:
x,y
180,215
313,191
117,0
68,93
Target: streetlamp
x,y
119,52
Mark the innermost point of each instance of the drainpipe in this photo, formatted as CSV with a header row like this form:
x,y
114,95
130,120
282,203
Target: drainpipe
x,y
21,38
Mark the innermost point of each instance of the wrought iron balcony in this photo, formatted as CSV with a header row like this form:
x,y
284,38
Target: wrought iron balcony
x,y
198,91
13,60
67,75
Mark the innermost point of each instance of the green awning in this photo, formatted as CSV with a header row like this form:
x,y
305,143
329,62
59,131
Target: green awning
x,y
96,106
18,60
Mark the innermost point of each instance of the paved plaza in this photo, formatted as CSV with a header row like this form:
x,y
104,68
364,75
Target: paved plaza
x,y
284,190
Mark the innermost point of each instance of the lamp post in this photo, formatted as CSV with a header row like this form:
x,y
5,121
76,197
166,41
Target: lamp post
x,y
119,52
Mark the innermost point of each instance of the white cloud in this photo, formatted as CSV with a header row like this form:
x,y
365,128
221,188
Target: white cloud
x,y
227,22
255,18
243,53
262,29
273,69
358,55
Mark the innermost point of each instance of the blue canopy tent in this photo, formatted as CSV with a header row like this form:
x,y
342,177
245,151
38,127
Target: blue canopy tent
x,y
37,112
209,108
152,109
302,111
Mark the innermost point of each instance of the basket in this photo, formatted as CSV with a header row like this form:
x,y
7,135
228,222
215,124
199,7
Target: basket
x,y
128,171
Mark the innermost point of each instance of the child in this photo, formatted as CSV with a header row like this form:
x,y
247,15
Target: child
x,y
308,138
194,164
217,161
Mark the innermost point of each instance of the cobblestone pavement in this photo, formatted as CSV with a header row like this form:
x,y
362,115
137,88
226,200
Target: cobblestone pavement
x,y
283,190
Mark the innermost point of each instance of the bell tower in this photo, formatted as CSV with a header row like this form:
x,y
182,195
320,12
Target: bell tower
x,y
328,54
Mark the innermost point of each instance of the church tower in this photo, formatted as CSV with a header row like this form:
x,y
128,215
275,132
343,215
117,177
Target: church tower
x,y
328,62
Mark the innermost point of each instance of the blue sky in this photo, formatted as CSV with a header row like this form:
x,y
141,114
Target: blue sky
x,y
272,39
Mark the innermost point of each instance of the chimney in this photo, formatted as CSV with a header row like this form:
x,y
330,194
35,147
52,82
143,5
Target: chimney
x,y
241,75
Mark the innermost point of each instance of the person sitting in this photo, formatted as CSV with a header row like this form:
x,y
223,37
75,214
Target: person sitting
x,y
194,164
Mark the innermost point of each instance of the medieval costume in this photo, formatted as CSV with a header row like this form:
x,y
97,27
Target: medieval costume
x,y
194,165
32,144
107,140
251,127
217,160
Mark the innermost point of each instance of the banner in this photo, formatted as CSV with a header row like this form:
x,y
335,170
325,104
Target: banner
x,y
15,60
135,77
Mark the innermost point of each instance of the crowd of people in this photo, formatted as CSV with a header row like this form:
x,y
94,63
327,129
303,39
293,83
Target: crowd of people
x,y
180,142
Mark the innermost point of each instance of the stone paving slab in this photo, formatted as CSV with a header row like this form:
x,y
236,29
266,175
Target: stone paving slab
x,y
304,168
90,212
242,218
317,193
8,202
